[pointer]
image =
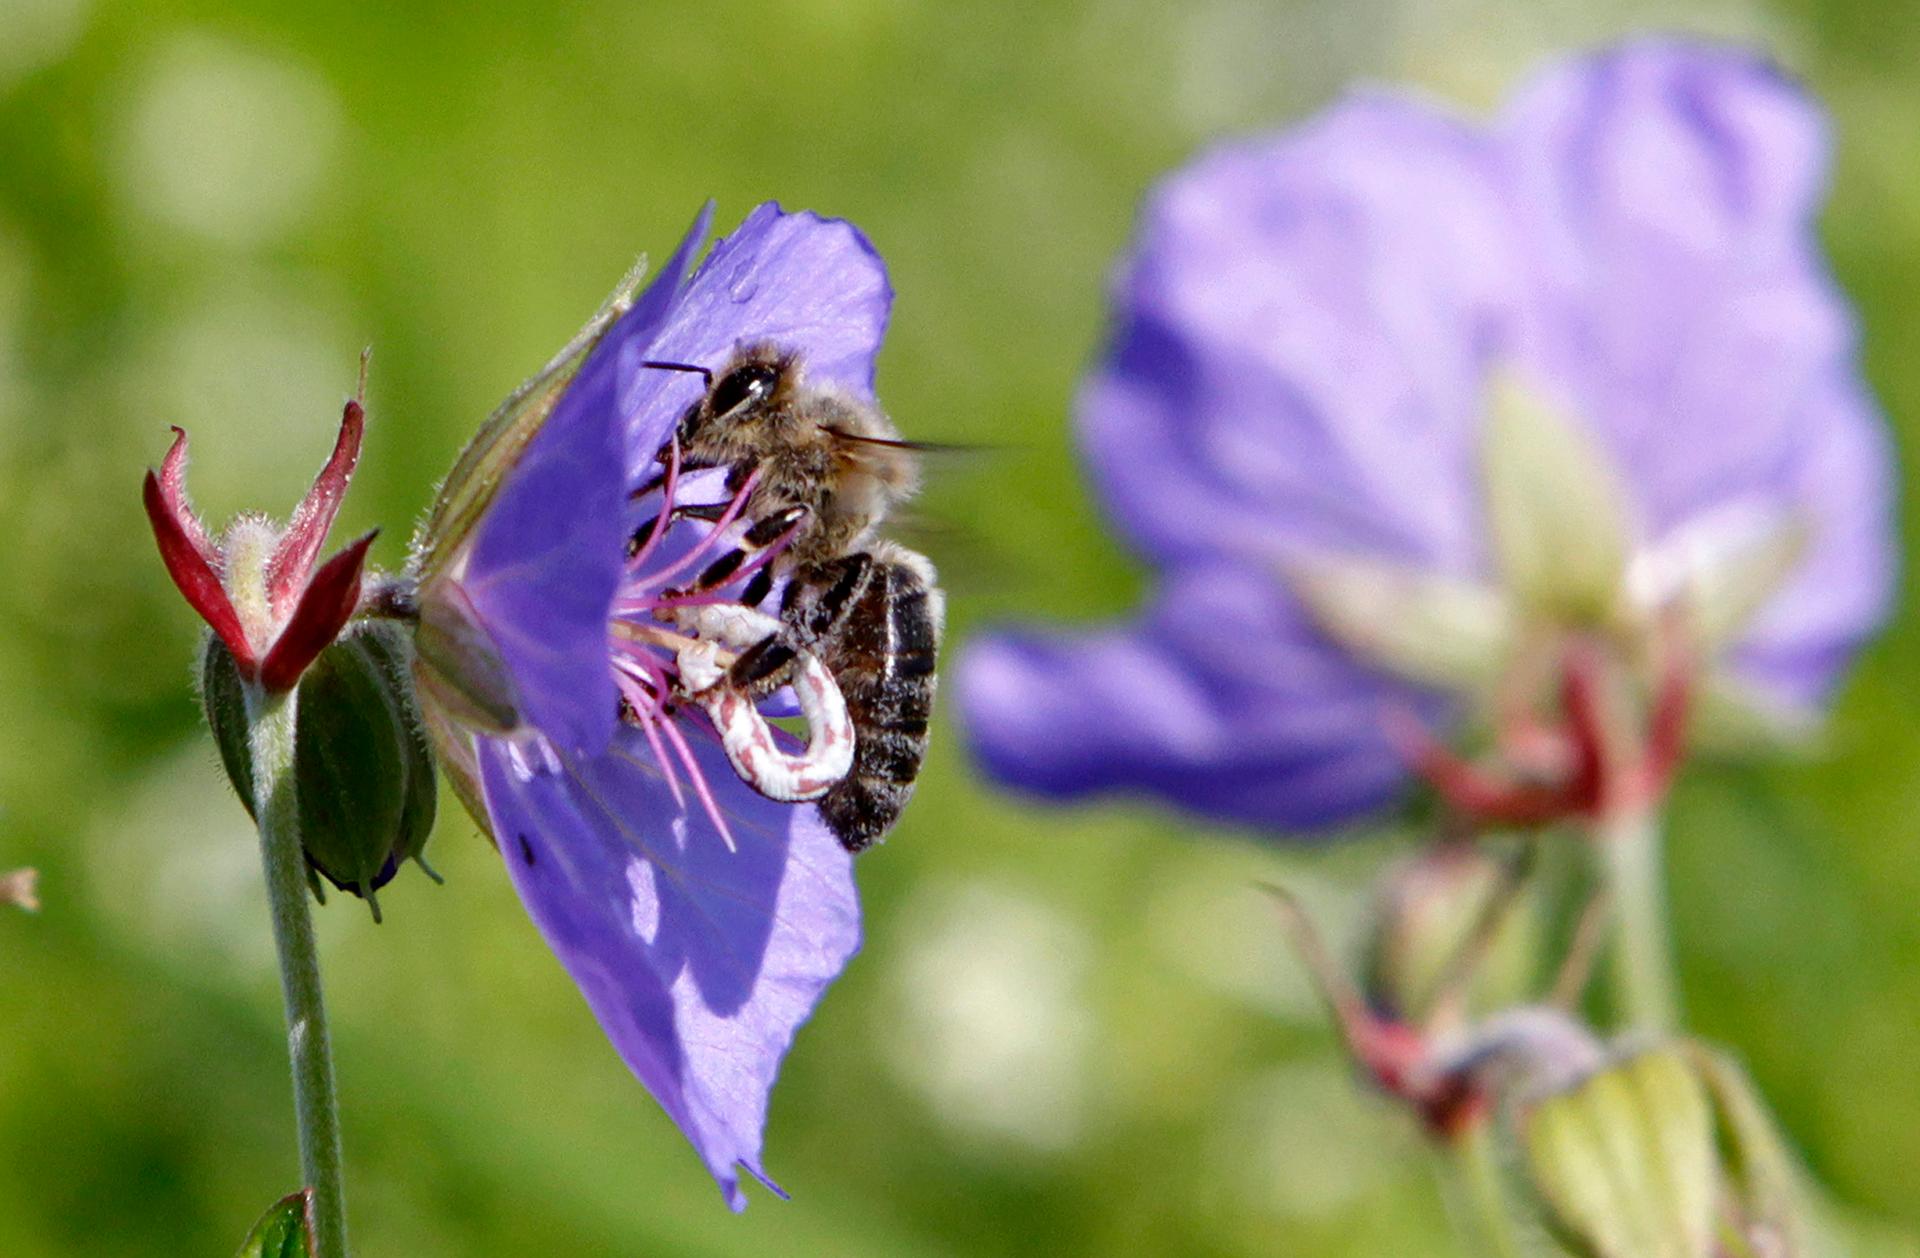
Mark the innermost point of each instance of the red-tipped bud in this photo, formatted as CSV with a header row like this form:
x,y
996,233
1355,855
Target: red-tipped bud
x,y
307,531
325,606
258,590
189,557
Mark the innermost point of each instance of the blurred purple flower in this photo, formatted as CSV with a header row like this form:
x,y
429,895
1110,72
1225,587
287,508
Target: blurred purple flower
x,y
700,920
1309,332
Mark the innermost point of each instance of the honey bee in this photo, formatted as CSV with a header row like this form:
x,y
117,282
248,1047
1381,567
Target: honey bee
x,y
824,470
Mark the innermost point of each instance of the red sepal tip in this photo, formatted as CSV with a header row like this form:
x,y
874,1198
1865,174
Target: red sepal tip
x,y
326,605
190,568
173,492
299,547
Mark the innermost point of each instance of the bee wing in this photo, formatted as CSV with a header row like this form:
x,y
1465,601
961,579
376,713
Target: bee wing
x,y
918,447
965,556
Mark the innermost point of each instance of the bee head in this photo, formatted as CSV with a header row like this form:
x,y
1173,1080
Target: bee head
x,y
743,389
745,394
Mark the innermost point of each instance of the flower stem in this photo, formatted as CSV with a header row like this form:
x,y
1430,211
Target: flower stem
x,y
271,734
1482,1208
1642,965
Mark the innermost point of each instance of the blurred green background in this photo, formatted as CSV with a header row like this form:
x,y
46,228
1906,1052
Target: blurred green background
x,y
1069,1032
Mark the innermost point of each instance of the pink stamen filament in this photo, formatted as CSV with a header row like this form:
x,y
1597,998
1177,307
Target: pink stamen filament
x,y
646,716
706,544
747,570
707,800
667,492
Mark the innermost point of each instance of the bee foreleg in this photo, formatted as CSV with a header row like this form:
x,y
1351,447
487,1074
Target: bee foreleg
x,y
761,534
710,512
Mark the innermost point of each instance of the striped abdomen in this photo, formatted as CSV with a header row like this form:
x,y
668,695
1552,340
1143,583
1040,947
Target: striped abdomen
x,y
875,620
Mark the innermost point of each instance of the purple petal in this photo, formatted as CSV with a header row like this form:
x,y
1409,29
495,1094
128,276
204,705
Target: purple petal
x,y
809,283
1221,699
548,555
1667,194
1804,637
1303,336
699,962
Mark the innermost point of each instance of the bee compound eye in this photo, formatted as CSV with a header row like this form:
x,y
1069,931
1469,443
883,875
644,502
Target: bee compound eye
x,y
744,386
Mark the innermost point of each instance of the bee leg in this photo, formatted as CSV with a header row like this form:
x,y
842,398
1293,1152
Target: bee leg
x,y
654,483
710,512
765,666
750,742
815,608
761,534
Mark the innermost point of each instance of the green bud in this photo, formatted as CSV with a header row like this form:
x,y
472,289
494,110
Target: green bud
x,y
1625,1161
223,698
1449,933
363,770
1667,1152
1769,1210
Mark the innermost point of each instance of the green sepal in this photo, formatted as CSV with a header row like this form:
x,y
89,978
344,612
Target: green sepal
x,y
459,668
1768,1205
284,1231
392,652
1435,630
1624,1162
223,699
1732,717
364,773
1730,578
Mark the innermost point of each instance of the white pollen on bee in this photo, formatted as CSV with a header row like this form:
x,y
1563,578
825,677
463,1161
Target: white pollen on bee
x,y
749,740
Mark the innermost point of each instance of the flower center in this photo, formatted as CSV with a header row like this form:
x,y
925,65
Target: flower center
x,y
1584,645
686,612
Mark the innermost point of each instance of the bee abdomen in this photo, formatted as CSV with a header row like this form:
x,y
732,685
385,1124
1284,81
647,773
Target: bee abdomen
x,y
883,660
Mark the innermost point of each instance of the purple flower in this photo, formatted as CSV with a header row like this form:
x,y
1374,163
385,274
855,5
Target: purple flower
x,y
700,919
1394,398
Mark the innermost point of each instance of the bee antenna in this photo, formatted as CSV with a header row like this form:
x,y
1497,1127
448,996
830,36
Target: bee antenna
x,y
706,376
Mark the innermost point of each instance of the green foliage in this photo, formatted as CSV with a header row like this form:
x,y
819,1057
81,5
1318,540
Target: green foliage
x,y
281,1231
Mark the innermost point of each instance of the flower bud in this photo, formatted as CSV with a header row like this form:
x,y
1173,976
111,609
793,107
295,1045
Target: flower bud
x,y
363,771
1768,1205
1665,1152
1446,931
1624,1160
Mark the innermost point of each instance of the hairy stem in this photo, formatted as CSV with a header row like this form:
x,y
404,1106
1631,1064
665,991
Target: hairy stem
x,y
1642,963
271,735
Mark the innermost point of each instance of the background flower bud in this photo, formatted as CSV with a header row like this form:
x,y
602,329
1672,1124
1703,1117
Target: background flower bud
x,y
363,769
1624,1160
1666,1151
1448,927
